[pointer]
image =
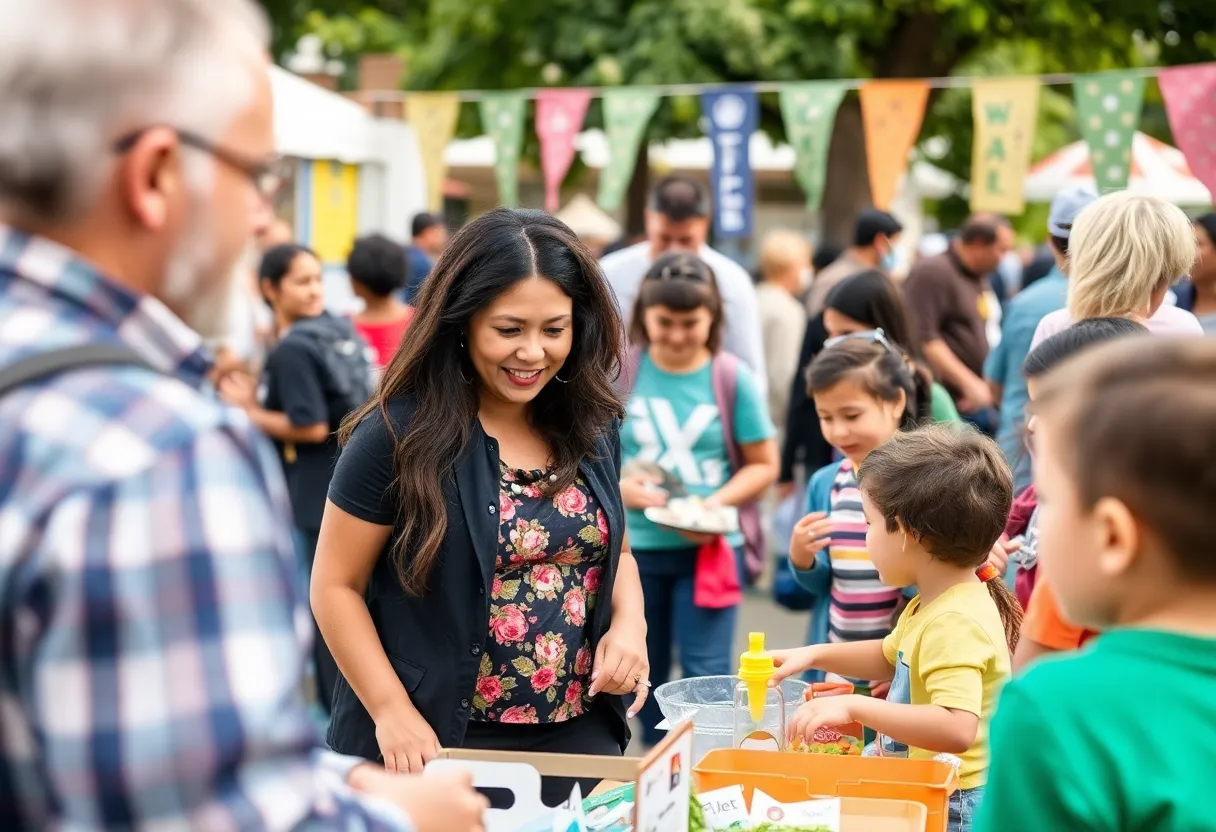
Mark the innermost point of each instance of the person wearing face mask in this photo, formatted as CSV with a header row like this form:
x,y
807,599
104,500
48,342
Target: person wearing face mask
x,y
874,239
152,660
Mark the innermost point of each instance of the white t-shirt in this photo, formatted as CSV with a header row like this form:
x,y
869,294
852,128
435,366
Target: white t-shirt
x,y
1167,320
741,336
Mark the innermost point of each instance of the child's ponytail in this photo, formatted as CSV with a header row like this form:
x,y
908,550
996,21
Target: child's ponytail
x,y
1006,604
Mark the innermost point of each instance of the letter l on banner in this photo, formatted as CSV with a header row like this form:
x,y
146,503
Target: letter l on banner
x,y
731,115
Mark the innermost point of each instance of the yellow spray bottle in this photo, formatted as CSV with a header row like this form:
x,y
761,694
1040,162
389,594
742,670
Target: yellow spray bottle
x,y
759,710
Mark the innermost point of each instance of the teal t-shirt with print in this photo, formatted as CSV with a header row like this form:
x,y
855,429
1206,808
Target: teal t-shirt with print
x,y
673,421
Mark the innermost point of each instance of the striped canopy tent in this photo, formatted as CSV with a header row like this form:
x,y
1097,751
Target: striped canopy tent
x,y
1157,169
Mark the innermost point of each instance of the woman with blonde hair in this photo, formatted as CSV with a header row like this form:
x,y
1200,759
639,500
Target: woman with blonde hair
x,y
1124,251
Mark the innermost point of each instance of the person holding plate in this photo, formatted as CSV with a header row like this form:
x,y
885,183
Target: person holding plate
x,y
679,383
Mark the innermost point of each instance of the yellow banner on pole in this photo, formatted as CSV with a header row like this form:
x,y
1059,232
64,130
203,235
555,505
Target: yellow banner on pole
x,y
891,112
433,116
1005,113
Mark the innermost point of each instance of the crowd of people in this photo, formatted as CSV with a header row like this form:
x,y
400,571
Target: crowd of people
x,y
229,513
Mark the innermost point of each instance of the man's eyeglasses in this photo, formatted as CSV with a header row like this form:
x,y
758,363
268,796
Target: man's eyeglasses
x,y
267,176
874,336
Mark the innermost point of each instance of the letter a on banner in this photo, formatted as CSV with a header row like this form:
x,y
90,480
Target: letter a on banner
x,y
433,116
731,115
559,117
891,112
1005,113
1190,102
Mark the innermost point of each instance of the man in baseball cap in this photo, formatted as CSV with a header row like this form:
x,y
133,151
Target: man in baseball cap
x,y
1003,368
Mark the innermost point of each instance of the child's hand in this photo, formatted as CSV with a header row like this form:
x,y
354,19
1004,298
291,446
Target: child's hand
x,y
809,539
827,711
1001,551
790,662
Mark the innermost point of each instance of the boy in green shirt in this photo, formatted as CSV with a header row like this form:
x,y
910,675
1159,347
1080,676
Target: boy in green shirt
x,y
1121,736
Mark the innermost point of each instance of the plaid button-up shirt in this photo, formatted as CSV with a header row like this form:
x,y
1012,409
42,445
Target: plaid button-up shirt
x,y
152,638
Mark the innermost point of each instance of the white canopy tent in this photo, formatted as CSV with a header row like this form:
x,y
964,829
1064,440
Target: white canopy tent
x,y
315,124
1156,169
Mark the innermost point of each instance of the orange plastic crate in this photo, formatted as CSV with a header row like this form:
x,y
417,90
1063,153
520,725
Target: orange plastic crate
x,y
793,777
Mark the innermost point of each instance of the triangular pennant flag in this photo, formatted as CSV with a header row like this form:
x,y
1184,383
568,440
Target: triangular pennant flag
x,y
1005,113
433,116
809,111
891,112
502,117
1108,107
627,111
1190,103
559,117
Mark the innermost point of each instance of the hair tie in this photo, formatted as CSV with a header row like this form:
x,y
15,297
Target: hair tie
x,y
987,572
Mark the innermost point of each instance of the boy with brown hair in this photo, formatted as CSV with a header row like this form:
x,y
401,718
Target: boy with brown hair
x,y
935,500
1125,466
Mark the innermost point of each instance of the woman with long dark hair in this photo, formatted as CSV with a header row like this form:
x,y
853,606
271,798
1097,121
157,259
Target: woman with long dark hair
x,y
473,576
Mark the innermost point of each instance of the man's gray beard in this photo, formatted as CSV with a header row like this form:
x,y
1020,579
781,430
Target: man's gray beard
x,y
198,291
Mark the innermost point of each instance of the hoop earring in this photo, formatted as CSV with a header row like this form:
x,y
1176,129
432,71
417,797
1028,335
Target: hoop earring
x,y
558,378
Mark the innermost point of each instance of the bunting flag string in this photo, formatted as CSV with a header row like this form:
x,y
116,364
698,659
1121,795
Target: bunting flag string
x,y
1004,110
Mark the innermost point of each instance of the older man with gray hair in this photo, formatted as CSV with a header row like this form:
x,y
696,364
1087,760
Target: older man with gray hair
x,y
152,637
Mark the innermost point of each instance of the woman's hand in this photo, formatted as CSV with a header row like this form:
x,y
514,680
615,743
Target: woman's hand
x,y
407,742
809,539
620,664
641,492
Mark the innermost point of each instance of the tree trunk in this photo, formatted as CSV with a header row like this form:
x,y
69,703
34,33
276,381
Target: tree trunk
x,y
639,191
847,187
915,50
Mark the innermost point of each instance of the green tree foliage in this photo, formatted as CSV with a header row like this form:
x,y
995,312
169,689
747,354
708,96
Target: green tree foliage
x,y
488,44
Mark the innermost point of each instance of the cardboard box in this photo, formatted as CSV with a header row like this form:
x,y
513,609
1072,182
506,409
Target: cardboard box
x,y
664,778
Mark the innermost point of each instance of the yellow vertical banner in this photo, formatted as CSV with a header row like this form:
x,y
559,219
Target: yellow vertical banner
x,y
433,116
334,210
1005,113
891,113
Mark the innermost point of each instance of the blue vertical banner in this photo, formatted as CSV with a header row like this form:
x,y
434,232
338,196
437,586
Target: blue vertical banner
x,y
731,115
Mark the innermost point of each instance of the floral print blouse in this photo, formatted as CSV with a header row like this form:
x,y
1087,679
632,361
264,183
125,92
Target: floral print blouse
x,y
551,555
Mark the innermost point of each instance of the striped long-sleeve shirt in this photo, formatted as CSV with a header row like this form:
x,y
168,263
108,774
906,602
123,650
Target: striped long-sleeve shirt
x,y
152,641
862,606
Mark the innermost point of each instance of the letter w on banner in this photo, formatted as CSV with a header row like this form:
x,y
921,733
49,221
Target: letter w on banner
x,y
1005,113
1190,103
731,115
559,117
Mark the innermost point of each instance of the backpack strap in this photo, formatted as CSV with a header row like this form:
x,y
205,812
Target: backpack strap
x,y
70,358
724,375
